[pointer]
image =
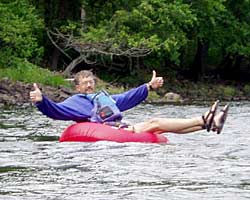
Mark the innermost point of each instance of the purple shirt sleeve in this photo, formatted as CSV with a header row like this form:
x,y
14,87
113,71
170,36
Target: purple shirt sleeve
x,y
76,108
131,98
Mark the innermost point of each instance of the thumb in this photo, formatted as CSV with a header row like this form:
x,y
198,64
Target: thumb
x,y
35,86
154,75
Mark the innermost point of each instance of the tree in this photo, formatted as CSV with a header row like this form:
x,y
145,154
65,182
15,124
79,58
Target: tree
x,y
20,33
222,32
133,30
57,15
236,63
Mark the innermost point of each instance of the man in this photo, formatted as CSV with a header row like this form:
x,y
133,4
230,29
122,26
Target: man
x,y
80,107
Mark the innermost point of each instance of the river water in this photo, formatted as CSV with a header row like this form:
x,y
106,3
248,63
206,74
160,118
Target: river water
x,y
34,165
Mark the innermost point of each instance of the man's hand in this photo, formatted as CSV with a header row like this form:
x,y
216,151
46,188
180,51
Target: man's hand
x,y
36,94
156,82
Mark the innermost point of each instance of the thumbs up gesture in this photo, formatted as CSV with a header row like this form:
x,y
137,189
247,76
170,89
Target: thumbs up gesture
x,y
156,82
36,94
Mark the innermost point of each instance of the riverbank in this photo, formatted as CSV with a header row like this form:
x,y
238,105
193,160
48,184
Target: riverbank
x,y
17,93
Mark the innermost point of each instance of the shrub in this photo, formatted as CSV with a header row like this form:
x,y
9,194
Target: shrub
x,y
29,73
229,91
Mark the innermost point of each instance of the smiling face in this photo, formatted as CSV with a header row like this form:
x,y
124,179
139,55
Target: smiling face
x,y
85,82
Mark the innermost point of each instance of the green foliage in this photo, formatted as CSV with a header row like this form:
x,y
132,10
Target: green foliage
x,y
152,96
246,89
225,25
29,73
240,27
229,91
170,29
20,32
156,25
111,89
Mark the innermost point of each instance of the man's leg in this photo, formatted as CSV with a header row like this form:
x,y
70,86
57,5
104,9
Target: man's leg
x,y
190,130
160,125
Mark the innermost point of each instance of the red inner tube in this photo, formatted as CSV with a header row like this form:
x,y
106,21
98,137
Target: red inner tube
x,y
93,132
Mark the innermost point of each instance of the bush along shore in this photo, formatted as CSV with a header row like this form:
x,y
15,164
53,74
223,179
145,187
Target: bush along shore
x,y
17,93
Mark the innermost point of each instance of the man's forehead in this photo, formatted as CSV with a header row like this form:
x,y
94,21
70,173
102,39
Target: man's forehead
x,y
85,78
90,78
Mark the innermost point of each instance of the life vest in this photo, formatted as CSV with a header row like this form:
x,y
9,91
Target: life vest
x,y
105,108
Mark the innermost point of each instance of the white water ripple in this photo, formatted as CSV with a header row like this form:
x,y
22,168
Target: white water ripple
x,y
34,165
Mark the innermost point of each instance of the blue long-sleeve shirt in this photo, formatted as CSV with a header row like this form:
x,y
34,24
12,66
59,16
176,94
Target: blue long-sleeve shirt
x,y
78,107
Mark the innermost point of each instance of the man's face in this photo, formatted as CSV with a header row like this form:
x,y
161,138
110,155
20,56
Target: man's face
x,y
86,85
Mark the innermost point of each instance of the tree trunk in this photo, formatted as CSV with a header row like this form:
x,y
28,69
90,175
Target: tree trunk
x,y
55,58
83,17
199,64
57,11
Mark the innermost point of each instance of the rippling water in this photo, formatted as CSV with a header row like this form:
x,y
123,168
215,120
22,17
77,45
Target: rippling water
x,y
34,165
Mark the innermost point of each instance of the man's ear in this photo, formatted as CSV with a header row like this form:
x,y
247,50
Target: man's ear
x,y
77,88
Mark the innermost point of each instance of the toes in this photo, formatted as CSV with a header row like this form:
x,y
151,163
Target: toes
x,y
211,115
220,119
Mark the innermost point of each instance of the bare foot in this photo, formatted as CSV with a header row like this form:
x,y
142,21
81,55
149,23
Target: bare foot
x,y
219,119
208,117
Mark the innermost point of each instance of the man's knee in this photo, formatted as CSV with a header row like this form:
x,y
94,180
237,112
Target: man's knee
x,y
155,122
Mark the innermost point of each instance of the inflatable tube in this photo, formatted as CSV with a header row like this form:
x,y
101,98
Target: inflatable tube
x,y
93,132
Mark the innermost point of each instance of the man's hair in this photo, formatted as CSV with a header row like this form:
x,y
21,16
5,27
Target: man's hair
x,y
83,74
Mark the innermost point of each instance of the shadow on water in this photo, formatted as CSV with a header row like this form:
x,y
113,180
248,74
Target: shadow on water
x,y
34,138
26,123
7,126
5,169
42,138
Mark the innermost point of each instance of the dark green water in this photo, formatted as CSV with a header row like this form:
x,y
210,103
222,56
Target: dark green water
x,y
34,165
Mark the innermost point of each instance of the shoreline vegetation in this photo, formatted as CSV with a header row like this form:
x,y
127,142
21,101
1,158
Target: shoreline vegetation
x,y
123,42
15,86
